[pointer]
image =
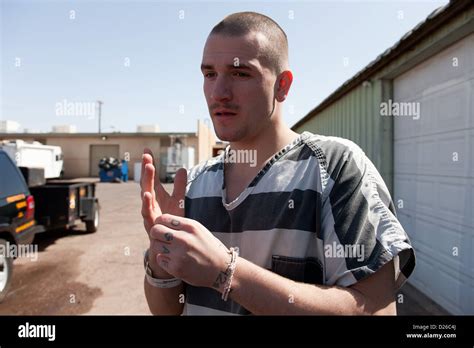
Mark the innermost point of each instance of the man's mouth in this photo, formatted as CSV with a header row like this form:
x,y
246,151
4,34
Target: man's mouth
x,y
224,113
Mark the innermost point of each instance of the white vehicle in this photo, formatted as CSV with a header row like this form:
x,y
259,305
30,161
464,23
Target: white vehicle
x,y
35,155
178,156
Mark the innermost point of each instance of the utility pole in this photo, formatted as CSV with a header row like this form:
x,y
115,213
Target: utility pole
x,y
100,112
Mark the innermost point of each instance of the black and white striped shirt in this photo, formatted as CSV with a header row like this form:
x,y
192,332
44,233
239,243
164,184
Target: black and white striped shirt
x,y
318,213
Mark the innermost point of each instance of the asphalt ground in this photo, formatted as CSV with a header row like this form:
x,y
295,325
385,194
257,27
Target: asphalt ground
x,y
80,273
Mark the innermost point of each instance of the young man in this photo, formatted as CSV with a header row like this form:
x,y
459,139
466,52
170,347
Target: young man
x,y
312,218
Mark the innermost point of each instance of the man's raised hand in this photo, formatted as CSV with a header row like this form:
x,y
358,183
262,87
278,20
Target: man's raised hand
x,y
155,200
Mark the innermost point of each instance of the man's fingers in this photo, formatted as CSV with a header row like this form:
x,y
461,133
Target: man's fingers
x,y
147,207
147,212
149,186
147,177
160,192
178,223
147,151
180,182
164,234
146,159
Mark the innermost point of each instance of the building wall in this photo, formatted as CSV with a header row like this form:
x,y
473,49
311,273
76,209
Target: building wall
x,y
356,117
76,147
434,174
77,151
433,197
206,141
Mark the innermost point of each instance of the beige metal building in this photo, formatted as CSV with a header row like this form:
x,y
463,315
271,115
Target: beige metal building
x,y
82,151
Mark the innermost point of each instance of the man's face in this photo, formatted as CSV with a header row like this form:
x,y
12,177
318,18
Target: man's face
x,y
239,89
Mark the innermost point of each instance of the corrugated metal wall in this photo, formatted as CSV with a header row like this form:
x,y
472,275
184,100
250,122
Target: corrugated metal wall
x,y
356,116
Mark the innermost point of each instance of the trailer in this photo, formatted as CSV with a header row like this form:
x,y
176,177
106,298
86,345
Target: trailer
x,y
64,203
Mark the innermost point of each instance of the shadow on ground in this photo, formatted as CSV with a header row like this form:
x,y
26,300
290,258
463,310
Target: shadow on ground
x,y
47,286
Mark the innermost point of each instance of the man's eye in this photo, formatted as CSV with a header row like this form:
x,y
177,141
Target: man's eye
x,y
241,74
209,74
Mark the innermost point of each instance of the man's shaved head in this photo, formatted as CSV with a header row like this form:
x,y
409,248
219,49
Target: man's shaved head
x,y
274,50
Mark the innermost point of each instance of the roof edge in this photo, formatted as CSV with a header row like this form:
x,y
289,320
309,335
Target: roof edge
x,y
434,20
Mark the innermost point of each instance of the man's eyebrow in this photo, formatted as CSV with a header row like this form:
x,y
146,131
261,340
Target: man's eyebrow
x,y
228,66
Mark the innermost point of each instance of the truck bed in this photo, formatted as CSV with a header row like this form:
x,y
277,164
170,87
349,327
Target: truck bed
x,y
59,203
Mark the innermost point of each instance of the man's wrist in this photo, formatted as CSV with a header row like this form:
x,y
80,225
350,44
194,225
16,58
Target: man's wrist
x,y
225,274
156,270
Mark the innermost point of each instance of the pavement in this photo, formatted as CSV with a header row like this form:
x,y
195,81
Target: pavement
x,y
102,273
80,273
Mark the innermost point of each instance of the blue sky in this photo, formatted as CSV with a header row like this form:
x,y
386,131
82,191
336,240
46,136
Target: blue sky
x,y
83,59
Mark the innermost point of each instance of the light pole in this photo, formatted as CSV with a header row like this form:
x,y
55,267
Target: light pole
x,y
99,104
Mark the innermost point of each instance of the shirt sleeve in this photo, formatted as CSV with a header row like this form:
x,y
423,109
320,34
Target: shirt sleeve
x,y
360,230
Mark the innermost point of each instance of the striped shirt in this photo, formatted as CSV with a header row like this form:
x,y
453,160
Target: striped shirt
x,y
318,212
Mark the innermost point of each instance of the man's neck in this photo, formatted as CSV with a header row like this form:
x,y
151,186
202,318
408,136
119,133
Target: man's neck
x,y
267,143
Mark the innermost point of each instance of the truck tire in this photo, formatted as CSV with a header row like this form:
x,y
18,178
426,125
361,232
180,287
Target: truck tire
x,y
93,225
6,270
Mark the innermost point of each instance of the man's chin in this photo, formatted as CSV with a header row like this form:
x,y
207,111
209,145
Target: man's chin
x,y
229,136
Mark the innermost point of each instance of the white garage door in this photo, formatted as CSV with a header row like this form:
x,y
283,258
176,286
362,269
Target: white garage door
x,y
434,174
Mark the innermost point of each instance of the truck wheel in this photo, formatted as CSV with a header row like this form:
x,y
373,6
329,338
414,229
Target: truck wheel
x,y
93,225
6,270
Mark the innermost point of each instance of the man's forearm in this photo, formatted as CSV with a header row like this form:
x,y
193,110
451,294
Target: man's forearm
x,y
266,293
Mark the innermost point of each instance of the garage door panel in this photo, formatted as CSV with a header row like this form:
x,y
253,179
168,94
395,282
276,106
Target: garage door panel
x,y
453,108
422,274
445,200
455,201
434,174
426,124
454,251
425,196
407,185
424,223
404,128
436,279
404,163
453,154
407,221
470,154
425,149
471,255
448,154
449,201
438,70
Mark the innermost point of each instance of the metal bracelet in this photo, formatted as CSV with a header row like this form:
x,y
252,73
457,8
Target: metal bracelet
x,y
230,271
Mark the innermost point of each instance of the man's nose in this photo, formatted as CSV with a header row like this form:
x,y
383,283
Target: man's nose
x,y
222,90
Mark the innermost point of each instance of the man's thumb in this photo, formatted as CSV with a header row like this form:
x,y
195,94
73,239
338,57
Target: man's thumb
x,y
180,182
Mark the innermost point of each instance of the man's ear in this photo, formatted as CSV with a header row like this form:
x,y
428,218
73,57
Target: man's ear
x,y
283,84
